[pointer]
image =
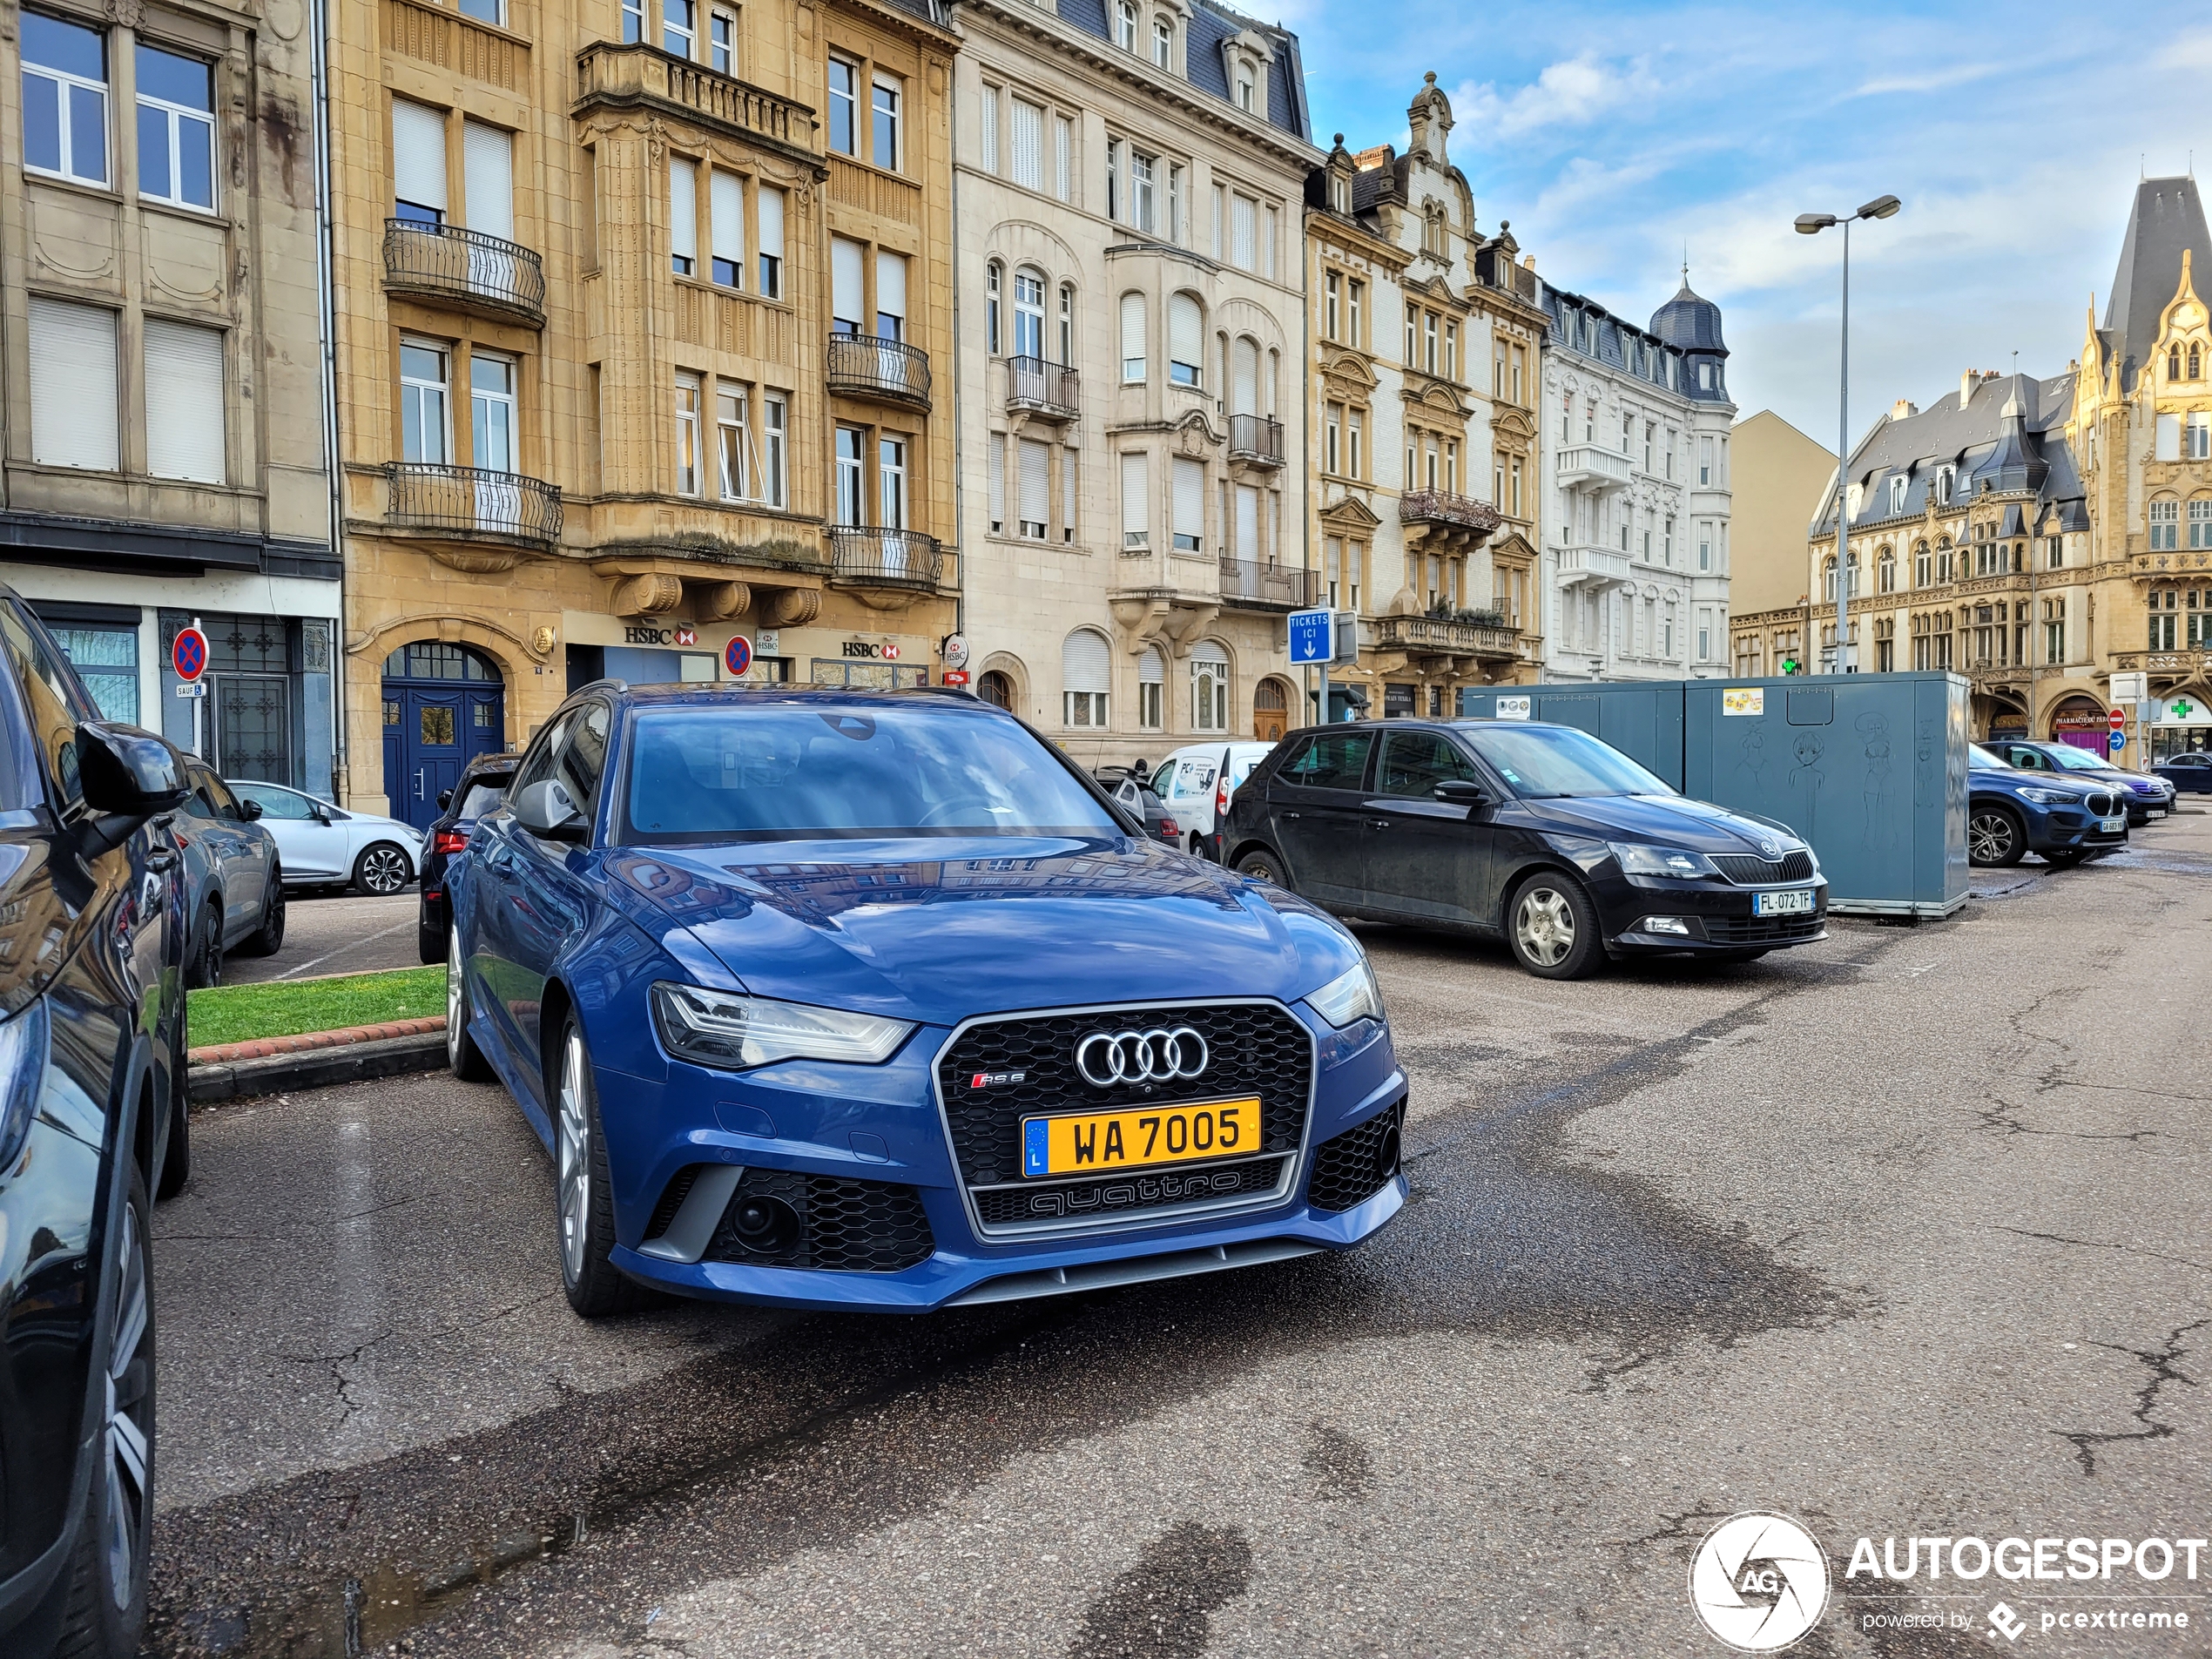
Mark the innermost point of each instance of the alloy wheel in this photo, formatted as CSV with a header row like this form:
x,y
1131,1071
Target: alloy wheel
x,y
455,1012
1989,837
383,870
129,1392
575,1155
1543,925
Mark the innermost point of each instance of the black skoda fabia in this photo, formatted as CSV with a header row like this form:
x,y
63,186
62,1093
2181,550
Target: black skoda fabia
x,y
1538,832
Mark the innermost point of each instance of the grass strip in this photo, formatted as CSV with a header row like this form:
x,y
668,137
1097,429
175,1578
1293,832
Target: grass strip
x,y
241,1013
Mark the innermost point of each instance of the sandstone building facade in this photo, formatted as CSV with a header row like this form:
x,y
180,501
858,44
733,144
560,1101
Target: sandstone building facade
x,y
644,321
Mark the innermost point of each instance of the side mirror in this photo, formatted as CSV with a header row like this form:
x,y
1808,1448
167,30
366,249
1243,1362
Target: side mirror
x,y
545,811
1459,792
445,799
250,809
127,775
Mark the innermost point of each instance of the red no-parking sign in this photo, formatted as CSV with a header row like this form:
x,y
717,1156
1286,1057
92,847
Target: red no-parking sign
x,y
189,654
737,656
2118,720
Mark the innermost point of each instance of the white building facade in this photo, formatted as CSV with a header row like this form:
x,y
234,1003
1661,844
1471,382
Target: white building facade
x,y
1129,185
1635,442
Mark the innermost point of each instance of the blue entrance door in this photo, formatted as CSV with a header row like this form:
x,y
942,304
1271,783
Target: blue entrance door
x,y
443,706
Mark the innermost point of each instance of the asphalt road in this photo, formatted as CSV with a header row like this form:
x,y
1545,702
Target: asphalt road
x,y
1901,1234
335,933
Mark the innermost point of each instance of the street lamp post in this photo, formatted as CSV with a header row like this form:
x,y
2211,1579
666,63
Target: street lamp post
x,y
1812,224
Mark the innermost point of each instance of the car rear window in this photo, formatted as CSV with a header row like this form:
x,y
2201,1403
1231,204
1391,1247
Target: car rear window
x,y
1332,760
795,773
484,796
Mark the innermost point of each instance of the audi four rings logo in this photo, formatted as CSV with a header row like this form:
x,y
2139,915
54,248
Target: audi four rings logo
x,y
1105,1058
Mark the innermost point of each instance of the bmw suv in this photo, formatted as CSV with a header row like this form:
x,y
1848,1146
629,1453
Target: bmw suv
x,y
876,1001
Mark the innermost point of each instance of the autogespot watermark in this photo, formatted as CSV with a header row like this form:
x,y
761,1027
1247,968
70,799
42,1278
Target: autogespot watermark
x,y
1760,1583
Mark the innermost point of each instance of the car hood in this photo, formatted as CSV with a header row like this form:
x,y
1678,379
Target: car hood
x,y
1671,821
2009,777
939,929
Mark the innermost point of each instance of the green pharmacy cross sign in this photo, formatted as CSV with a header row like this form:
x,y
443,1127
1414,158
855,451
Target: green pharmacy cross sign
x,y
2181,708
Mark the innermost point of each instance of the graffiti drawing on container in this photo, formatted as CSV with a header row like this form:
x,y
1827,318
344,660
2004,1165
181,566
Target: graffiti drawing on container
x,y
1881,834
1805,781
1754,762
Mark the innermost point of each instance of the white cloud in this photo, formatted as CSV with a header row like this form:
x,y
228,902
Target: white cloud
x,y
1571,92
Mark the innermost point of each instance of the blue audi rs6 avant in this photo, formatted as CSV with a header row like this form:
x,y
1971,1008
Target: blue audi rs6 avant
x,y
874,1001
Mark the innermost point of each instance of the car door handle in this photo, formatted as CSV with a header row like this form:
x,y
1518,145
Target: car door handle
x,y
1377,823
1292,814
162,859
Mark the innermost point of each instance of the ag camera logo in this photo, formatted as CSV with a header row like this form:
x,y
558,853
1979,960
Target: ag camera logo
x,y
1759,1582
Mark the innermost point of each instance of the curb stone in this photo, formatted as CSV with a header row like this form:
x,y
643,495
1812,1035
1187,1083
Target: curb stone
x,y
315,1068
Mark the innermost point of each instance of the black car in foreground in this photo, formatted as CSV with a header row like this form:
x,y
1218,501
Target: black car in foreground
x,y
92,1127
482,787
1540,832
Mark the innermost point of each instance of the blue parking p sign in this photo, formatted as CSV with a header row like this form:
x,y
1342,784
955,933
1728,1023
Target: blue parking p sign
x,y
1313,636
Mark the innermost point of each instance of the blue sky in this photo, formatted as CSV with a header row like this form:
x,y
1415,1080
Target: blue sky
x,y
1611,135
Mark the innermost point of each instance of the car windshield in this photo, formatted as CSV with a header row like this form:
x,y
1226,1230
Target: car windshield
x,y
794,772
484,795
2067,758
1557,762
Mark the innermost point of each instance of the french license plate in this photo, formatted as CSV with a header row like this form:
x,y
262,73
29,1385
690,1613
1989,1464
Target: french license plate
x,y
2112,826
1139,1138
1794,901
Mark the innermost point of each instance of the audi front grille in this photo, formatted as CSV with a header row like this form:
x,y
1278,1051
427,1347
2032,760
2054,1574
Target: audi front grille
x,y
997,1071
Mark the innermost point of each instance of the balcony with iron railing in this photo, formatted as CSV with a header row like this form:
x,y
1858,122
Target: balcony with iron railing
x,y
1439,519
887,370
1588,467
1038,386
1252,585
1256,440
869,556
1442,638
471,502
1592,566
466,268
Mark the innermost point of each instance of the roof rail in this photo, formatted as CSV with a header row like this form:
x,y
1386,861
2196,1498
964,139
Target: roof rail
x,y
609,683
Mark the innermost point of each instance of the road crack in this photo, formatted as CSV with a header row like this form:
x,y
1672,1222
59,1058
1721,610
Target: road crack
x,y
2163,1370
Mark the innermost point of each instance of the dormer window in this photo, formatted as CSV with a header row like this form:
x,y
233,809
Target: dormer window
x,y
1943,485
1244,92
1125,26
1896,495
1163,43
1339,193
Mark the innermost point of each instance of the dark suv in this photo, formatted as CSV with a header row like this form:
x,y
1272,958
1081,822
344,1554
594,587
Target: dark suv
x,y
482,787
1541,833
91,1128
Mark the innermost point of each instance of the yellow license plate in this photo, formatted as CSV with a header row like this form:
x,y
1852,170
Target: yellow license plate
x,y
1105,1143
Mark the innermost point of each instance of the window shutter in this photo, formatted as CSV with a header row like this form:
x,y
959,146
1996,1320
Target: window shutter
x,y
846,278
1068,492
772,222
683,208
1208,651
419,154
488,174
184,401
891,284
1083,663
1132,336
2169,438
1267,245
1150,668
1136,504
1063,151
72,384
1191,498
1028,145
1035,481
990,128
1186,331
1242,235
1244,398
1247,522
998,482
726,194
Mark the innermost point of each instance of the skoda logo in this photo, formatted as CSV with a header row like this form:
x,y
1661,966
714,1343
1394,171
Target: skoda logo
x,y
1105,1058
1771,849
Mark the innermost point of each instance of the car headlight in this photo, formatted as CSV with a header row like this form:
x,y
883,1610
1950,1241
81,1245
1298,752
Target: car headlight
x,y
1636,858
1350,995
2053,797
733,1033
23,1077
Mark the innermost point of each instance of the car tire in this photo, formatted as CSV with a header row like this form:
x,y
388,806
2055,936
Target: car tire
x,y
1553,927
583,1197
1995,838
382,870
1261,865
106,1614
464,1058
268,938
1198,848
203,969
429,945
176,1157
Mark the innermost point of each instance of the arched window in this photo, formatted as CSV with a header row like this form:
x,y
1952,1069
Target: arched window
x,y
1028,313
1186,340
1945,559
1163,42
2173,362
994,281
1068,322
1851,561
1151,682
1208,687
2196,363
1125,26
1243,385
996,688
1922,565
1085,671
1132,337
1885,573
1828,580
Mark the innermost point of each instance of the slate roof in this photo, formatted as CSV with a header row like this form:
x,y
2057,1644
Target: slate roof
x,y
2168,217
1607,339
1689,321
2008,437
1211,24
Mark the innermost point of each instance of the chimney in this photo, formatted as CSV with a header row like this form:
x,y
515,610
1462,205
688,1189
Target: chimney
x,y
1967,381
1904,409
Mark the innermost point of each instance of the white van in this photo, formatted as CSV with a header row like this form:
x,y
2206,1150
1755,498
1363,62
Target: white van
x,y
1196,781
